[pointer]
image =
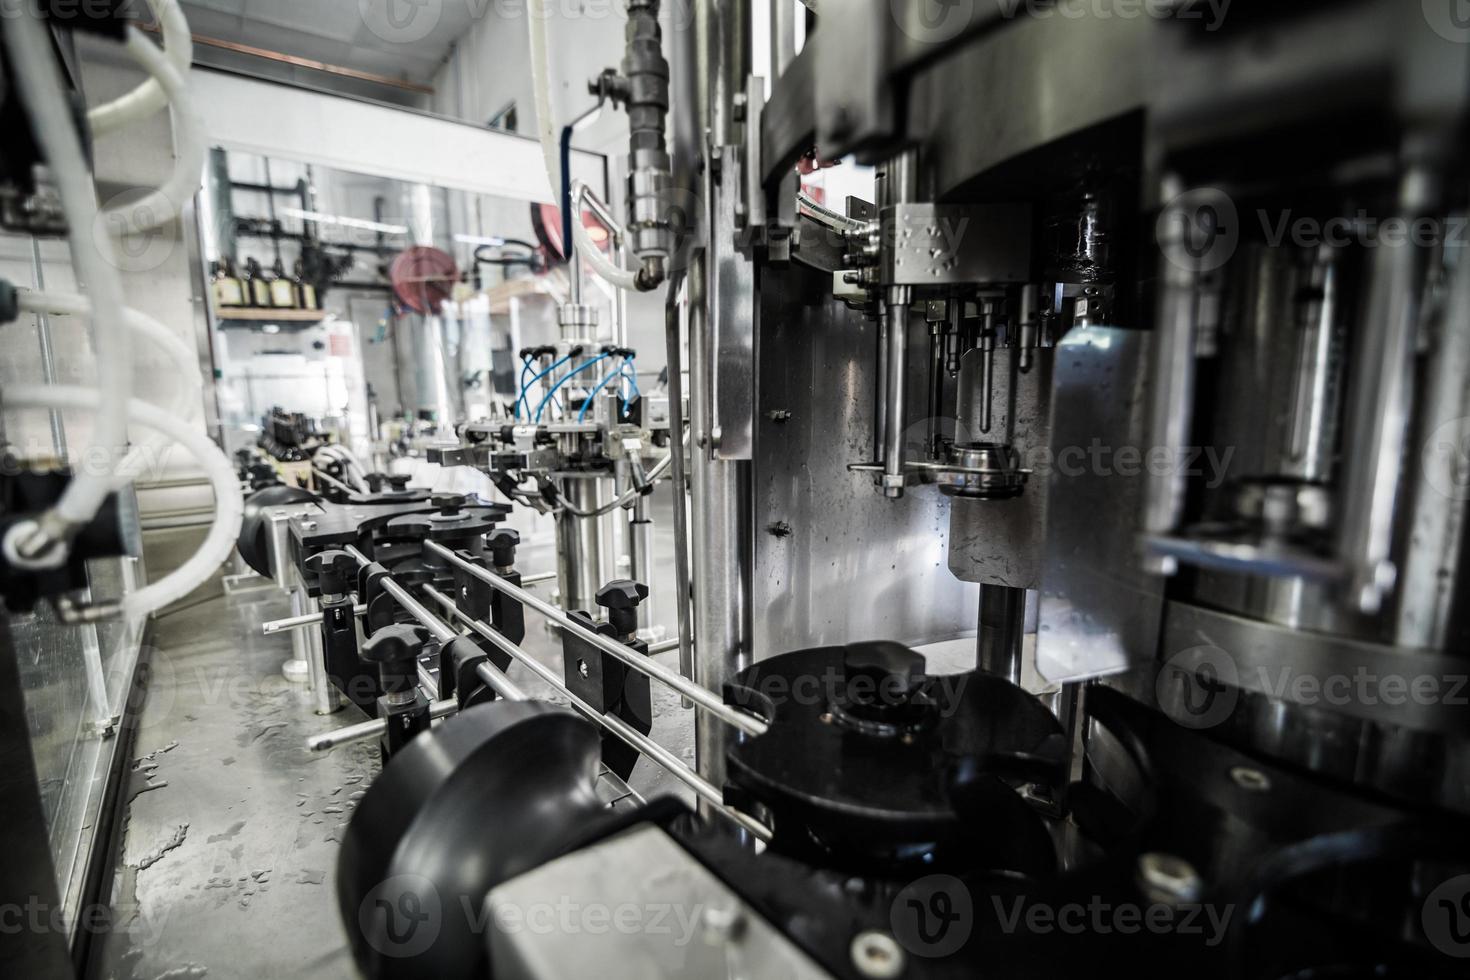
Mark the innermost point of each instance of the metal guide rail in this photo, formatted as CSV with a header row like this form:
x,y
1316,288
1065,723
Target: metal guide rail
x,y
701,696
504,687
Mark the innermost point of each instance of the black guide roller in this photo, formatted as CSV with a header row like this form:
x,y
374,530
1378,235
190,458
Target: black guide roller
x,y
492,792
870,763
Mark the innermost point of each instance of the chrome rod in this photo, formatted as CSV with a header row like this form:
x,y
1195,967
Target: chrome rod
x,y
657,753
443,632
370,729
299,622
498,682
701,696
311,619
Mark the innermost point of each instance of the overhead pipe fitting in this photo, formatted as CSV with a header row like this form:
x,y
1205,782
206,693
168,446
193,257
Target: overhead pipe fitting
x,y
643,87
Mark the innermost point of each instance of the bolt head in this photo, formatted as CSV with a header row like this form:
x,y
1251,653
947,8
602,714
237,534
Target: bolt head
x,y
1168,879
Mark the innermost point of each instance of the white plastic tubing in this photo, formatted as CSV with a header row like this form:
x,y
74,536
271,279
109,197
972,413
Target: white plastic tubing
x,y
229,506
551,153
164,203
149,97
28,44
30,50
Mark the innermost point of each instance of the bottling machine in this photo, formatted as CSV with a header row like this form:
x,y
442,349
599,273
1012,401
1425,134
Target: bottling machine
x,y
1155,336
1156,330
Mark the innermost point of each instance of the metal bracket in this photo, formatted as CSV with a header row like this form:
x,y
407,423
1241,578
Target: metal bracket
x,y
609,686
927,244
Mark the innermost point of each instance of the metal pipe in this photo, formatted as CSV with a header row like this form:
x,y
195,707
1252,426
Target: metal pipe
x,y
674,353
311,619
370,729
721,513
497,681
1173,376
48,357
579,544
298,62
902,187
660,755
701,696
1002,631
1381,407
442,631
326,699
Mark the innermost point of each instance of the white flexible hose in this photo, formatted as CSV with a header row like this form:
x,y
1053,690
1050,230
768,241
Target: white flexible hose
x,y
164,203
600,263
551,153
229,505
186,365
149,96
28,44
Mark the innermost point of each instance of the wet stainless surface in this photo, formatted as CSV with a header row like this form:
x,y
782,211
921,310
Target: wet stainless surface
x,y
231,827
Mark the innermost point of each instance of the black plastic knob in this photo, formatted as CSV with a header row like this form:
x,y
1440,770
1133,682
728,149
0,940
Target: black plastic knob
x,y
502,544
396,649
449,504
336,571
621,598
399,482
375,482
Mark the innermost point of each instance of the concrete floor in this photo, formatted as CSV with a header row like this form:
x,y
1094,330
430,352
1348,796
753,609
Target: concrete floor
x,y
231,827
